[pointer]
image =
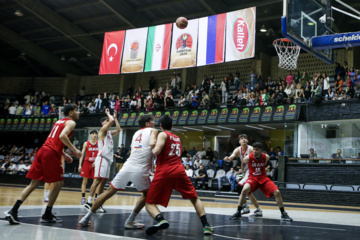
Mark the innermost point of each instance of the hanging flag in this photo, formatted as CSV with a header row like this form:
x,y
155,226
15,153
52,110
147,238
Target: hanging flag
x,y
134,50
184,45
112,51
211,40
240,34
158,48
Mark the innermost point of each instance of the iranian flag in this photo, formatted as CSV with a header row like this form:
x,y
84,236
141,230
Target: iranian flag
x,y
158,48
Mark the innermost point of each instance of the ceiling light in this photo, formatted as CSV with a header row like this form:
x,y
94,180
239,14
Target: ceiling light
x,y
266,127
19,13
253,127
263,29
89,55
63,58
310,23
199,130
231,129
214,129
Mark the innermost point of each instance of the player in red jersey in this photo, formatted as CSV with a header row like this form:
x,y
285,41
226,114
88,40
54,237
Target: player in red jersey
x,y
259,180
170,174
47,164
87,167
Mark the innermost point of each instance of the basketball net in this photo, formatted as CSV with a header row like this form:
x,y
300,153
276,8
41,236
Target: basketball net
x,y
287,52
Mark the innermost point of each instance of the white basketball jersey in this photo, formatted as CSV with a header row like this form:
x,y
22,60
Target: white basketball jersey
x,y
141,157
106,147
244,153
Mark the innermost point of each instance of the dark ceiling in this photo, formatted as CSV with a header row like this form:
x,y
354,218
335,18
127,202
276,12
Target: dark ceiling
x,y
56,37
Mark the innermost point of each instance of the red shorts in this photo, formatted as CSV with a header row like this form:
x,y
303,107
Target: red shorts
x,y
87,170
162,186
46,166
266,185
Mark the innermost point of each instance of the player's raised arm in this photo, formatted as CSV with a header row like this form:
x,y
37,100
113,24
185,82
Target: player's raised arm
x,y
117,125
160,143
69,127
244,162
267,158
233,155
153,137
106,126
82,155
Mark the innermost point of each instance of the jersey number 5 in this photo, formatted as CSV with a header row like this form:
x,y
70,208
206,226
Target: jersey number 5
x,y
175,150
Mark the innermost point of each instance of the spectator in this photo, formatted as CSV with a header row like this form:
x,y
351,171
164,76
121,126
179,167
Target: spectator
x,y
197,162
313,155
237,81
326,83
184,153
187,162
142,102
118,104
169,101
98,103
339,84
201,153
192,152
202,176
181,101
224,90
178,81
189,171
289,78
349,92
252,78
112,104
209,155
133,103
337,155
91,108
227,177
194,100
19,110
45,109
278,149
227,166
214,164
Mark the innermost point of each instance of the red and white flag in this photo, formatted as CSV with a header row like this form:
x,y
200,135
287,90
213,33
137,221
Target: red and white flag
x,y
112,52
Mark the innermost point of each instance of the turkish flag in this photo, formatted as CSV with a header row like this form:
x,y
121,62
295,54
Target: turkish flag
x,y
112,52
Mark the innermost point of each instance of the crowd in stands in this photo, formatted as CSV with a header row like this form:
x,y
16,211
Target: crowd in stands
x,y
16,160
295,87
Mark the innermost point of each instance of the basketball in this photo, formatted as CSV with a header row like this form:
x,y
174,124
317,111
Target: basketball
x,y
181,22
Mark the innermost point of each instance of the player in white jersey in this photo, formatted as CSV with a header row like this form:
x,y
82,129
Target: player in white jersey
x,y
105,156
136,169
243,151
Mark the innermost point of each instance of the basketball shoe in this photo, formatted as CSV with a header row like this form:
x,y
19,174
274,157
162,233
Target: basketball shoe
x,y
83,201
257,213
88,206
208,230
133,225
236,216
285,217
50,218
100,210
163,224
245,210
85,221
12,217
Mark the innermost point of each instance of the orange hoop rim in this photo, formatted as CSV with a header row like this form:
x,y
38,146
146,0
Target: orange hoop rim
x,y
284,40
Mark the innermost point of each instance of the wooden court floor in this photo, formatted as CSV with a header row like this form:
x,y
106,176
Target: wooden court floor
x,y
322,221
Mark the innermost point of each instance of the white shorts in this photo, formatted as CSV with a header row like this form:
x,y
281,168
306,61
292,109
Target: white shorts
x,y
243,181
102,168
140,179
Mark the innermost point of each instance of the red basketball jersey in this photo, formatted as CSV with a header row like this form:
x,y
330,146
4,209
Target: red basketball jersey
x,y
53,141
257,167
169,159
91,151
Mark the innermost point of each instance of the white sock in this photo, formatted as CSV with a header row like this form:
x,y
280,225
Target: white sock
x,y
90,199
245,205
259,209
88,215
132,217
46,193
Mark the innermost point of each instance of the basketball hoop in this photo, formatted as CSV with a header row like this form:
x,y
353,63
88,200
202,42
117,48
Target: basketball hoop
x,y
287,52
